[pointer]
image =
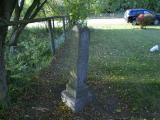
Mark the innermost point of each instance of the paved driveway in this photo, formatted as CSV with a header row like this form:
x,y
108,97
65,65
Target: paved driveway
x,y
90,22
103,22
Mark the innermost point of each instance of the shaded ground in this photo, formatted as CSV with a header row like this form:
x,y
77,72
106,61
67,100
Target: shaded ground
x,y
47,104
41,99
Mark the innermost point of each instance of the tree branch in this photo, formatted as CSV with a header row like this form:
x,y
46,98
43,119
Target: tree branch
x,y
30,9
38,9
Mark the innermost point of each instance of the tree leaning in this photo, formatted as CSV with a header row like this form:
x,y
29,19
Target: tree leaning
x,y
6,9
31,12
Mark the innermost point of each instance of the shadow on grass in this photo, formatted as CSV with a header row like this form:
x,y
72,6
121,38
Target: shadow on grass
x,y
123,100
40,99
112,100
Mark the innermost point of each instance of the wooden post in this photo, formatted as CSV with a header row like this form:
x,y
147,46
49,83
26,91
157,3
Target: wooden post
x,y
53,29
51,37
69,22
53,25
64,28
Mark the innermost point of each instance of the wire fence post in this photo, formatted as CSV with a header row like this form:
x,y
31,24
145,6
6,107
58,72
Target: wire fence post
x,y
53,25
51,37
64,28
69,22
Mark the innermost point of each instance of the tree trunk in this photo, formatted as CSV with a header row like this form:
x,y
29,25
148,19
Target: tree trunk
x,y
6,9
16,34
3,83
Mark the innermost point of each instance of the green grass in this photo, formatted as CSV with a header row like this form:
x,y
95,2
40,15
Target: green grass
x,y
120,62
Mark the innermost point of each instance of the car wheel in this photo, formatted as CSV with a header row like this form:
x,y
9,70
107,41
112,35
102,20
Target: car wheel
x,y
134,22
156,22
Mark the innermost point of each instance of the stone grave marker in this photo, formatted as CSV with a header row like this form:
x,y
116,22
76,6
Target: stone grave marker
x,y
77,94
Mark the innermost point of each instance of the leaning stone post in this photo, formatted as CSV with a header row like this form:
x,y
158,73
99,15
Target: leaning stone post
x,y
77,95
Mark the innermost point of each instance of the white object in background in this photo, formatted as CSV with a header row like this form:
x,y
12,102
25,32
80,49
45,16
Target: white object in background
x,y
154,48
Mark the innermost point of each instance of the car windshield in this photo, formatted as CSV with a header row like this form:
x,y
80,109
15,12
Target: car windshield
x,y
133,12
151,12
146,12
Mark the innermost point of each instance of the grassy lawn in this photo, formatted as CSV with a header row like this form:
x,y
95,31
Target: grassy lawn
x,y
123,73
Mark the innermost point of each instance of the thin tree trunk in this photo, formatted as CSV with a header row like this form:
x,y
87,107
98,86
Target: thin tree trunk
x,y
17,13
16,34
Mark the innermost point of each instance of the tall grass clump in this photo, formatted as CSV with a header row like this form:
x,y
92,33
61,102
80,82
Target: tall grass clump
x,y
30,56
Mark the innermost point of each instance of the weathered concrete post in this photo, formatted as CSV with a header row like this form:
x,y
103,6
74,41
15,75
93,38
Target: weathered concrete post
x,y
77,95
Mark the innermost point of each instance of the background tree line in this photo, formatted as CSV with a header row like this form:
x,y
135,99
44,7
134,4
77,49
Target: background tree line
x,y
113,6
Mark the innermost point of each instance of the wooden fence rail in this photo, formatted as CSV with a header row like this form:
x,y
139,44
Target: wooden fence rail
x,y
51,26
12,23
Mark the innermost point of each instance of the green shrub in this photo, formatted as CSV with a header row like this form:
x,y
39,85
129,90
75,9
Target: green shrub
x,y
77,9
32,54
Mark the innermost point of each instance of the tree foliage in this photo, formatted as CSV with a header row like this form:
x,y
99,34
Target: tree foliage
x,y
107,6
78,9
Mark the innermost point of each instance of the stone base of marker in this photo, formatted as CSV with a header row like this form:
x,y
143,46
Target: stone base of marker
x,y
76,100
